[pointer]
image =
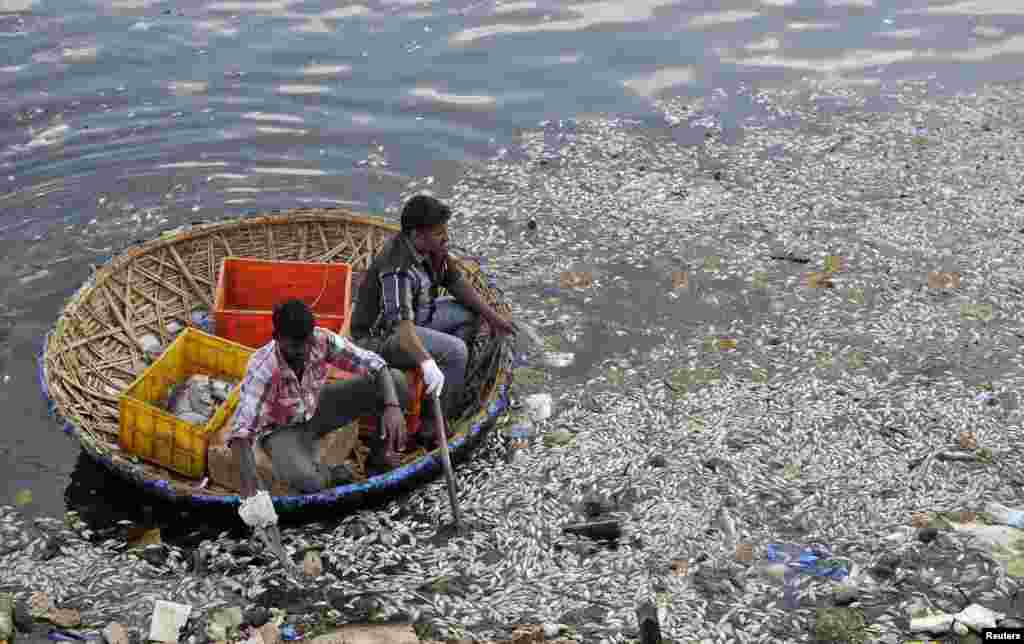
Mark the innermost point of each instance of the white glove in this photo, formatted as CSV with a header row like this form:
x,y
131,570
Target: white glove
x,y
258,511
432,376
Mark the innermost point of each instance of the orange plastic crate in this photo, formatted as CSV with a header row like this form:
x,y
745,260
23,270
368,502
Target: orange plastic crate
x,y
154,434
248,289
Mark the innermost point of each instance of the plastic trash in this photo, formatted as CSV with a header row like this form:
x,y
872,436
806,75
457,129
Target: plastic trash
x,y
520,434
222,621
151,344
64,636
558,360
985,397
977,617
935,623
6,617
290,634
815,560
201,319
1005,515
168,618
538,406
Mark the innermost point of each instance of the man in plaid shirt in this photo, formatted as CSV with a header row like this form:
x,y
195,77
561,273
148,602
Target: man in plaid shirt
x,y
287,405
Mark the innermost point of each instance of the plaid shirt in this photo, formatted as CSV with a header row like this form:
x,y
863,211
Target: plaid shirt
x,y
272,396
399,285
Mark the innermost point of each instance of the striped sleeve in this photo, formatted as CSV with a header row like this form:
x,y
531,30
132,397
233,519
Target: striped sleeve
x,y
345,355
254,390
396,297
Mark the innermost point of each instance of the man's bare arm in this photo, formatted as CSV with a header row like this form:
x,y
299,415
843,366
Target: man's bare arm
x,y
246,458
470,298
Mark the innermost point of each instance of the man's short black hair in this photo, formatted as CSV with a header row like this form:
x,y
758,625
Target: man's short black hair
x,y
293,320
424,210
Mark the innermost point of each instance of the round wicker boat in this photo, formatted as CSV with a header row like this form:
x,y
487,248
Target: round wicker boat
x,y
94,353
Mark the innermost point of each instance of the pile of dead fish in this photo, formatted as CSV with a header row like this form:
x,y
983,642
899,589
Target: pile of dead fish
x,y
804,404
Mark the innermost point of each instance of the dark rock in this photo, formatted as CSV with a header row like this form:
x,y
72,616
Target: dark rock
x,y
927,535
713,582
595,530
155,554
718,175
650,627
714,463
845,595
532,224
886,566
52,548
356,531
256,616
197,562
657,461
594,506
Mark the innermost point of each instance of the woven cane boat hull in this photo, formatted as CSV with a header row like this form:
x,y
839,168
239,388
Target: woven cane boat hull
x,y
93,352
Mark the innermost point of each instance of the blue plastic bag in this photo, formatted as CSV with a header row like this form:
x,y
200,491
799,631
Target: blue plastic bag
x,y
289,633
815,560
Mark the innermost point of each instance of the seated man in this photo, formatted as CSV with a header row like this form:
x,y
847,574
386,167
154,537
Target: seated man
x,y
287,405
399,314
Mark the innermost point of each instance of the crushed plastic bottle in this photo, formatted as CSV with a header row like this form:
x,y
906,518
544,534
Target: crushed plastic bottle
x,y
815,560
538,406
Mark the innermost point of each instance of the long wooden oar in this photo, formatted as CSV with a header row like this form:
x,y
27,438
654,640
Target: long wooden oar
x,y
446,461
271,538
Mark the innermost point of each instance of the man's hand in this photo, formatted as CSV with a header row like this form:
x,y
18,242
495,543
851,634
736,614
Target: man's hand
x,y
432,377
257,511
393,425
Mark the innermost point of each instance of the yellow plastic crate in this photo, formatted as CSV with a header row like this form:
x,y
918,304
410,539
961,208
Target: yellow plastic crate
x,y
155,435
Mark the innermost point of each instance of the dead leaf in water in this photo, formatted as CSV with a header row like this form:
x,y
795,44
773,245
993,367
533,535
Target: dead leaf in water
x,y
576,279
745,552
856,360
681,280
855,295
819,280
833,263
23,498
140,537
727,344
824,359
943,280
967,440
983,312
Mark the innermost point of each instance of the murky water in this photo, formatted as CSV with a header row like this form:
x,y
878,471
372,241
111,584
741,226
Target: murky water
x,y
122,119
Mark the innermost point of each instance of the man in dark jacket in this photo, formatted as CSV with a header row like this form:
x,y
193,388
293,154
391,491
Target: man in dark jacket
x,y
399,315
